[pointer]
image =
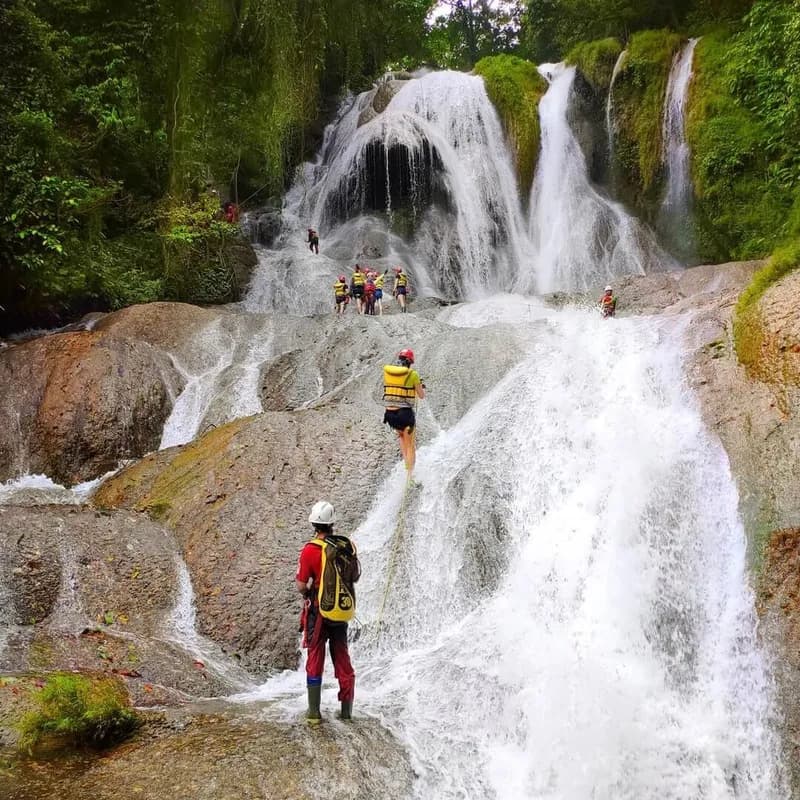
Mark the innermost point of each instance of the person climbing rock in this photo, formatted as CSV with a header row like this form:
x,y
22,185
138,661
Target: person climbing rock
x,y
379,279
340,294
608,303
401,388
327,570
357,287
369,294
231,212
313,241
400,287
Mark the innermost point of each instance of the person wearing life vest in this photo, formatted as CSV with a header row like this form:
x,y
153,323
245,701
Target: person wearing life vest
x,y
340,294
400,287
313,241
608,303
357,282
379,278
369,294
316,628
401,388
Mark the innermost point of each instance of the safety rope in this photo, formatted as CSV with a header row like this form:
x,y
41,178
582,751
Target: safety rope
x,y
397,536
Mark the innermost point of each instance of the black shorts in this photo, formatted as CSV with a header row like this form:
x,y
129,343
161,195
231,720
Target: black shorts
x,y
401,419
357,291
400,290
341,299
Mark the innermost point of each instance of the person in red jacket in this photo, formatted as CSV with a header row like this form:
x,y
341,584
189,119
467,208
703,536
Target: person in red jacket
x,y
317,629
608,303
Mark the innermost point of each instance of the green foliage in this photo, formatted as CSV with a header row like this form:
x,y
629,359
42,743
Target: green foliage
x,y
596,61
515,87
639,95
745,161
107,108
78,710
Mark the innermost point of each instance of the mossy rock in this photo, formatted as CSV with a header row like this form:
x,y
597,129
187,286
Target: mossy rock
x,y
639,95
515,87
596,61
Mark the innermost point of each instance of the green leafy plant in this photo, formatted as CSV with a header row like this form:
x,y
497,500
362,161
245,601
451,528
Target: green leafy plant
x,y
78,710
596,61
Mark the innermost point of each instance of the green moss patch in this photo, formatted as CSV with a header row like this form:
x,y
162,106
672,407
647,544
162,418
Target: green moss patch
x,y
741,204
515,88
596,61
639,95
78,710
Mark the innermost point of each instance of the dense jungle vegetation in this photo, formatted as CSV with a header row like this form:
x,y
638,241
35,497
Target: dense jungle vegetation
x,y
127,123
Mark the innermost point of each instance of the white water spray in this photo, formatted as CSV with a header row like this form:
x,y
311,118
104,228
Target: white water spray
x,y
581,239
676,208
570,617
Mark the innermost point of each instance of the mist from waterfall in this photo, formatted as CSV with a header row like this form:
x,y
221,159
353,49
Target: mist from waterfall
x,y
581,238
675,215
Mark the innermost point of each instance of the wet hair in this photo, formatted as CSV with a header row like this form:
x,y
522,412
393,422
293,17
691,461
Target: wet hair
x,y
320,528
405,361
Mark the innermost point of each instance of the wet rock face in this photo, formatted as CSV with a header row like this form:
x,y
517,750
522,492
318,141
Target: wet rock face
x,y
779,604
219,758
238,499
92,591
80,403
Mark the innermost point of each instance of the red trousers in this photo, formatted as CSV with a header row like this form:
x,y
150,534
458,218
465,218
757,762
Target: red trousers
x,y
319,631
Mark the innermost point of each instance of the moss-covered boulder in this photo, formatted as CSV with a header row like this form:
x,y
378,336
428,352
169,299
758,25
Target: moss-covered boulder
x,y
515,87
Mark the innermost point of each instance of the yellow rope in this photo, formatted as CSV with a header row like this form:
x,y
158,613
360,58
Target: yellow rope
x,y
397,537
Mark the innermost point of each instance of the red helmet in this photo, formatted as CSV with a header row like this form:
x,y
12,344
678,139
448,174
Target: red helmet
x,y
343,278
406,355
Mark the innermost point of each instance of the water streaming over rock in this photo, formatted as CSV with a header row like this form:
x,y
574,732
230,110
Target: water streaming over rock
x,y
427,182
571,616
581,238
675,215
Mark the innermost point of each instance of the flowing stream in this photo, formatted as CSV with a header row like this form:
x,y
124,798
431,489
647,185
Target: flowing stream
x,y
610,127
676,208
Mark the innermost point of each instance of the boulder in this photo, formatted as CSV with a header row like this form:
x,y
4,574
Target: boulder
x,y
79,403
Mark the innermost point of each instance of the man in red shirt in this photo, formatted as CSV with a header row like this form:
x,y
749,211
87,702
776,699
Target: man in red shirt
x,y
317,629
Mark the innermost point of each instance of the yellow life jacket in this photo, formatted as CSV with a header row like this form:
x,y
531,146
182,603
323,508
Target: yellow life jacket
x,y
379,282
340,288
336,594
358,278
398,390
400,280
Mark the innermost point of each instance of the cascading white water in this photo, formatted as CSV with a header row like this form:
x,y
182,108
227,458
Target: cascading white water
x,y
439,148
222,382
181,628
676,208
610,127
581,239
570,617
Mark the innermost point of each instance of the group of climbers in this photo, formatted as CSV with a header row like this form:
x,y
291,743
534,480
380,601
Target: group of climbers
x,y
366,288
328,567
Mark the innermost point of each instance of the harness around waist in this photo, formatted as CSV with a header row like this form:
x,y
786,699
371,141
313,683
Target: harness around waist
x,y
397,390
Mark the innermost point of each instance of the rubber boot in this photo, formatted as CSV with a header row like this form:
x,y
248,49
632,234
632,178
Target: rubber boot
x,y
347,710
313,716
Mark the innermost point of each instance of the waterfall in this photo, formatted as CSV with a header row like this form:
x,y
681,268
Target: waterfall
x,y
676,208
581,239
610,128
428,182
570,616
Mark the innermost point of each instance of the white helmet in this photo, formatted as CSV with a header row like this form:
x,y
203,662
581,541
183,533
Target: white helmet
x,y
322,513
609,289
